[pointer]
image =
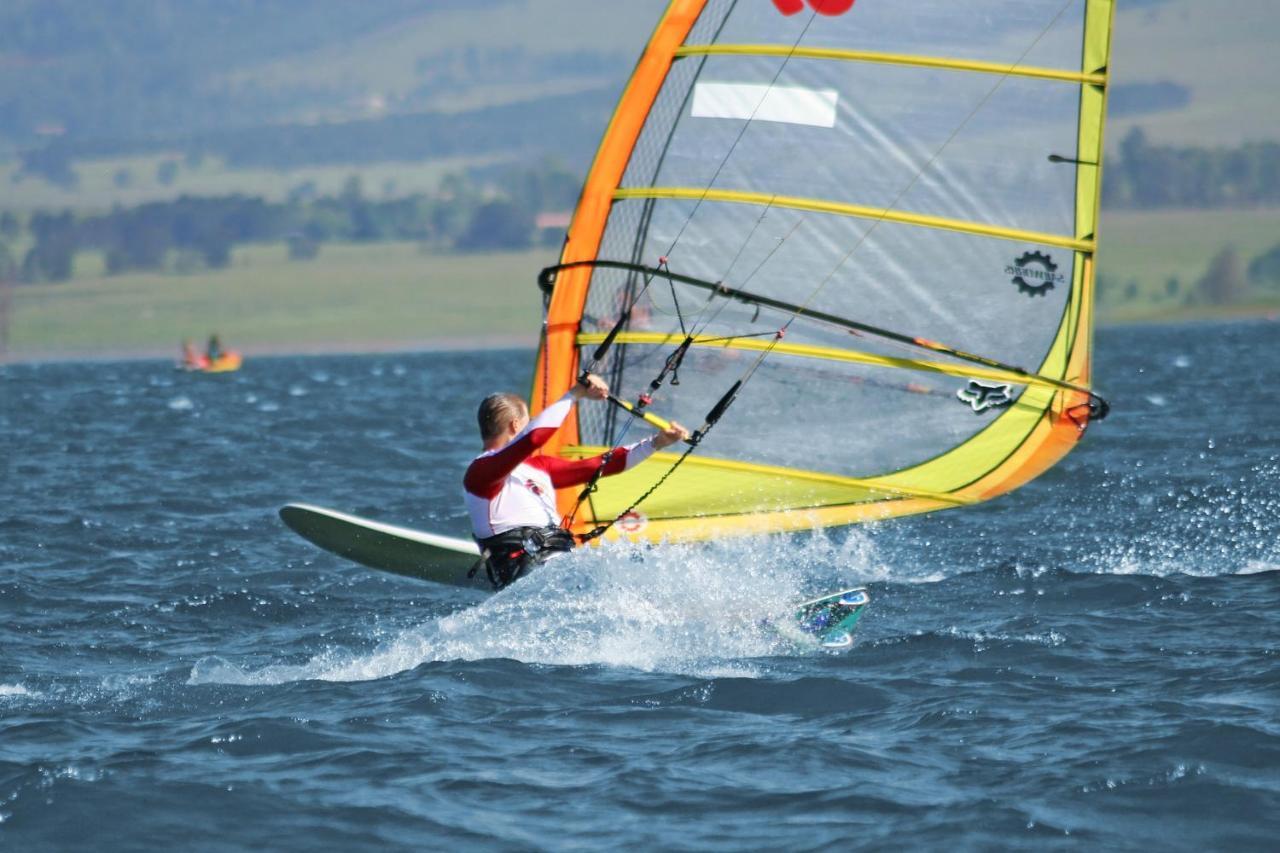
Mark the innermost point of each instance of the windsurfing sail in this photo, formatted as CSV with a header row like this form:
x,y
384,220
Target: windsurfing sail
x,y
861,233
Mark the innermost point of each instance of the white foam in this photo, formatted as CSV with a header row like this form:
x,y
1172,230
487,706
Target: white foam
x,y
12,691
702,610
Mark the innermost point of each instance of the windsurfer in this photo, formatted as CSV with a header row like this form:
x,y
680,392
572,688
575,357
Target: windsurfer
x,y
191,360
213,351
510,488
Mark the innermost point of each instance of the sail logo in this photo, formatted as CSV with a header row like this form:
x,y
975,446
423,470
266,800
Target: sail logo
x,y
981,396
1035,274
822,7
632,522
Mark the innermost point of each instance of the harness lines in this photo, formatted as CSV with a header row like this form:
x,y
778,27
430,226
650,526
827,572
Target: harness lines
x,y
512,554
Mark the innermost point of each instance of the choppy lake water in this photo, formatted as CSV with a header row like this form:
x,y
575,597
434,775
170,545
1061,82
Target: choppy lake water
x,y
1091,660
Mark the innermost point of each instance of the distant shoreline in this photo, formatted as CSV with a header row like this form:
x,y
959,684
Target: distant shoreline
x,y
1200,314
252,351
478,343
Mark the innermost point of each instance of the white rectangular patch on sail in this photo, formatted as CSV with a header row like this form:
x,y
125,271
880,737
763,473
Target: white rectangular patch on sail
x,y
787,104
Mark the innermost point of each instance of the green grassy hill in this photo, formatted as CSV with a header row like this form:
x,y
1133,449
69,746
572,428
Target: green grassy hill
x,y
466,58
352,297
1223,53
1140,252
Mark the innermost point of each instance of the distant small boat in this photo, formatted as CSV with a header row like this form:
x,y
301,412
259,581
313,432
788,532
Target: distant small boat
x,y
225,363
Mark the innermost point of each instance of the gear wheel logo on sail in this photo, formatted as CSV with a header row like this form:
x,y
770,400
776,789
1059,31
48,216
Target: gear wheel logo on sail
x,y
1032,281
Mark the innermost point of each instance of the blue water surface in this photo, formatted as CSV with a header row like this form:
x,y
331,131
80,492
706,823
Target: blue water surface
x,y
1090,661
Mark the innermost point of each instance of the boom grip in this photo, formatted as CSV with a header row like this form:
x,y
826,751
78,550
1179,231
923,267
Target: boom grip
x,y
718,409
603,349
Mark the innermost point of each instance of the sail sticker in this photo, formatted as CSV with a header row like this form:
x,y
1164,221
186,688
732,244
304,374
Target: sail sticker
x,y
632,522
1035,274
981,396
822,7
748,101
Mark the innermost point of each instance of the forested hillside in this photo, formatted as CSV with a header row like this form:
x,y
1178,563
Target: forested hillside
x,y
125,74
246,78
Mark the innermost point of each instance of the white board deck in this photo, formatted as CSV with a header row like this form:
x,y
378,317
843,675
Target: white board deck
x,y
400,550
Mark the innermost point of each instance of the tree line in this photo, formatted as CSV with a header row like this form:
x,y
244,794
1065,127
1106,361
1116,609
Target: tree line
x,y
122,69
1147,176
1140,174
1227,280
189,233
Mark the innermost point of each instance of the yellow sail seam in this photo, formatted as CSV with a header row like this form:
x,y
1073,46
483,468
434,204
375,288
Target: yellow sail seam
x,y
1096,79
856,210
790,473
833,354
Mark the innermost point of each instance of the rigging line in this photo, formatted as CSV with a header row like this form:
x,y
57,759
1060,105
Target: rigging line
x,y
745,125
701,341
626,314
772,251
731,395
619,364
914,180
754,228
921,171
759,266
592,484
700,324
696,320
853,326
601,529
634,412
722,405
679,314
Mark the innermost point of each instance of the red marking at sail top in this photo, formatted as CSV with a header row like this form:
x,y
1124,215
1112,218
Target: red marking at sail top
x,y
822,7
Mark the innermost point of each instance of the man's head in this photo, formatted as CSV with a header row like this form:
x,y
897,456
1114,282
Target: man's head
x,y
498,414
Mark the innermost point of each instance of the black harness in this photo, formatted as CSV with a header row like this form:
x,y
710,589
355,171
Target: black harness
x,y
514,553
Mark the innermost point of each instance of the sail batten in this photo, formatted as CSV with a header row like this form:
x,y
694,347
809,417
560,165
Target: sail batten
x,y
855,210
835,354
1098,78
870,486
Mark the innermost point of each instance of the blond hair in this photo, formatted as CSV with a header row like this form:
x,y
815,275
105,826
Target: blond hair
x,y
496,413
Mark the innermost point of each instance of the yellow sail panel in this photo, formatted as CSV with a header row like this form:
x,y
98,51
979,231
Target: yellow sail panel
x,y
908,191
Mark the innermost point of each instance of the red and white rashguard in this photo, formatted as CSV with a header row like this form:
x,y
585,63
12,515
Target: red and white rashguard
x,y
511,487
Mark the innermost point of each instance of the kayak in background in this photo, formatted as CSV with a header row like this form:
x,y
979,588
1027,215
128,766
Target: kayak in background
x,y
214,360
225,363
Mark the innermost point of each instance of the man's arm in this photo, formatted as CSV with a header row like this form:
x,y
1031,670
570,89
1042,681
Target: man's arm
x,y
485,475
576,472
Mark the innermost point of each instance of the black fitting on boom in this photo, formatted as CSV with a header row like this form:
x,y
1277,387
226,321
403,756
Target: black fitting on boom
x,y
716,412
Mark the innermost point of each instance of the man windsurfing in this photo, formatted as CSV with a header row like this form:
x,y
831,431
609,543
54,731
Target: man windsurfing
x,y
510,487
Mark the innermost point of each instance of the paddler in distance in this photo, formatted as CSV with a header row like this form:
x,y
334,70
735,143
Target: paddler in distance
x,y
191,360
213,351
510,487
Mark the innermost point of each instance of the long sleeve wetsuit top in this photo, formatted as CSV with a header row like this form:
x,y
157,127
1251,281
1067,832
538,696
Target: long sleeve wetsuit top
x,y
512,487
